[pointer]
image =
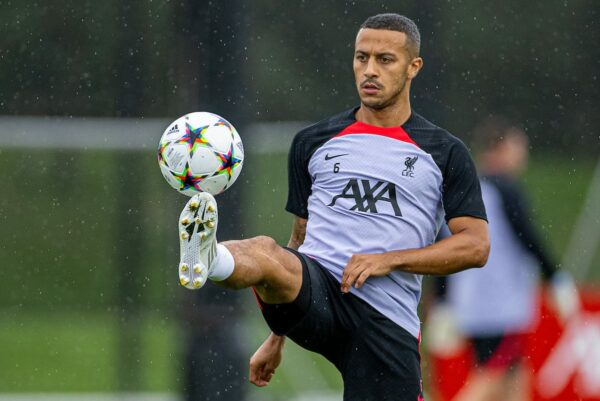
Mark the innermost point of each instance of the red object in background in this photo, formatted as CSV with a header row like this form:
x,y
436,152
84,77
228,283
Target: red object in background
x,y
565,361
449,372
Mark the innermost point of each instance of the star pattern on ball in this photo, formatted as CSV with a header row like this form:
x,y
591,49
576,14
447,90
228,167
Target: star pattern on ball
x,y
194,137
187,180
223,122
228,162
161,149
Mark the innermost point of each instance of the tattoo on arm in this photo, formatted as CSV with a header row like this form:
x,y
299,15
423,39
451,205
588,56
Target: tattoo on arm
x,y
298,233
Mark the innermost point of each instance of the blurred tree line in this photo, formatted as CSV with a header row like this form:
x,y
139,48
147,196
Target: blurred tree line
x,y
537,62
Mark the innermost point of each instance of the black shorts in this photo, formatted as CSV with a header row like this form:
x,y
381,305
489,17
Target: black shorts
x,y
378,360
500,352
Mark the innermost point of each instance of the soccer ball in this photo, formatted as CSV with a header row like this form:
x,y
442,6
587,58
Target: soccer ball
x,y
200,152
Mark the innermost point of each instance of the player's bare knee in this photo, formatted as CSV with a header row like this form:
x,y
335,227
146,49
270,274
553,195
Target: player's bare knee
x,y
252,247
265,244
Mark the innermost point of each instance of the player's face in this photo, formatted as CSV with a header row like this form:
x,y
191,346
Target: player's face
x,y
514,152
509,156
382,67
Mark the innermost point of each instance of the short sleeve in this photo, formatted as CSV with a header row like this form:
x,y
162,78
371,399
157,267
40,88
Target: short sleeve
x,y
461,188
299,181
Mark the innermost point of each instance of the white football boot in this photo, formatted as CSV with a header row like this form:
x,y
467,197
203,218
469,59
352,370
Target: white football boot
x,y
198,240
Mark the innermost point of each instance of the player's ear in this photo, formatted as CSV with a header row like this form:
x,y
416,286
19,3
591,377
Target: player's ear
x,y
414,67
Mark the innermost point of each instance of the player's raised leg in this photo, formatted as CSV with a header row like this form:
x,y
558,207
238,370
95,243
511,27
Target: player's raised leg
x,y
274,272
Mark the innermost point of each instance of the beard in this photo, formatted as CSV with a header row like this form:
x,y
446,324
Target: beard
x,y
382,103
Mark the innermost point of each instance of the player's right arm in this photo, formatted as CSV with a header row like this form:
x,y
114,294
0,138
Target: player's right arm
x,y
268,356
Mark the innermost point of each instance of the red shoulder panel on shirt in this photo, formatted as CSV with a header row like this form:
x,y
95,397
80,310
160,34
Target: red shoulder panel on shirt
x,y
391,132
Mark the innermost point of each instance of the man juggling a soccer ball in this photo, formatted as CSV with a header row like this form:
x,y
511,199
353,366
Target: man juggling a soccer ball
x,y
369,189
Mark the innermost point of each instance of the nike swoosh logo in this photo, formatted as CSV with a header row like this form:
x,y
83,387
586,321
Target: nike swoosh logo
x,y
327,157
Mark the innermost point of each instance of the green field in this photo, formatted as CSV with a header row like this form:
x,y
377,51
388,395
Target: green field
x,y
70,352
60,314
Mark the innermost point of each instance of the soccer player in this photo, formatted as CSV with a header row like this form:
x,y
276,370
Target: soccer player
x,y
369,189
494,307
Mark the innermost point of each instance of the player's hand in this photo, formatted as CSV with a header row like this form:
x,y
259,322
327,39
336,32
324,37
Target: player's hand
x,y
264,361
362,266
442,335
564,295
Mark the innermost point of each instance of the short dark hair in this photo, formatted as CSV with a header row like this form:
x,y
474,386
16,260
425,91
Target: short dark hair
x,y
400,23
493,130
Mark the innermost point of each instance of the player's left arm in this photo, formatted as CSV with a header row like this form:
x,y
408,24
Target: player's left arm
x,y
467,247
269,355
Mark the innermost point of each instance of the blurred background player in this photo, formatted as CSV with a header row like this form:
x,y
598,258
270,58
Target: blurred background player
x,y
494,307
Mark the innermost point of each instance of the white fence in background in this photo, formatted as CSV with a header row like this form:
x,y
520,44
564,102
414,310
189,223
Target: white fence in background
x,y
124,133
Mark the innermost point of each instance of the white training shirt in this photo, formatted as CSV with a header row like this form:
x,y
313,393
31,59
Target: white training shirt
x,y
368,189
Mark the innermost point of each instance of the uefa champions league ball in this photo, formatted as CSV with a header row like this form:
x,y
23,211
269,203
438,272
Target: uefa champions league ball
x,y
200,152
